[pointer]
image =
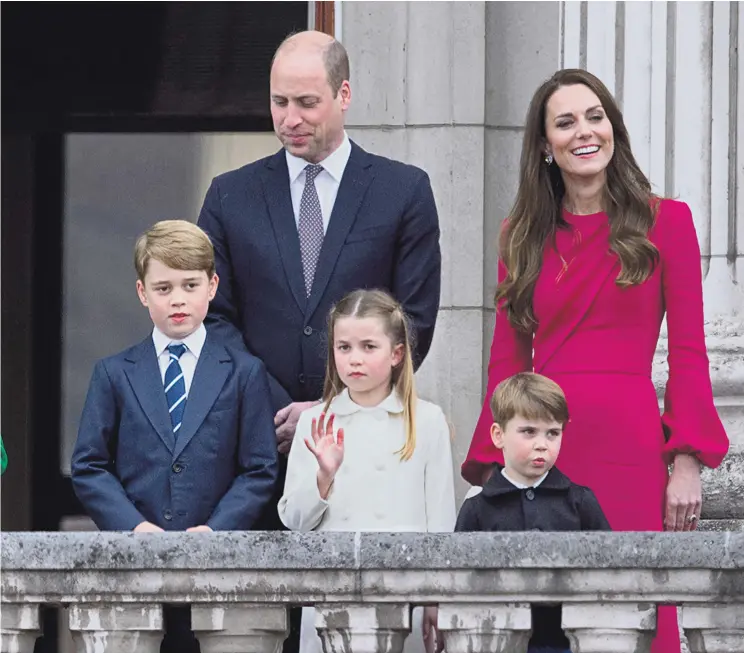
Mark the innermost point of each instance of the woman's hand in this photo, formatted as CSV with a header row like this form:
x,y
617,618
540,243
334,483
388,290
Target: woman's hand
x,y
328,451
684,494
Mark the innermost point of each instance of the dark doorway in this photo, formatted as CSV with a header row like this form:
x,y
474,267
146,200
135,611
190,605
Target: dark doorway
x,y
155,67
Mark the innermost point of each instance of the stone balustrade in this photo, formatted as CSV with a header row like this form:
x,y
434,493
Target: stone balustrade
x,y
239,586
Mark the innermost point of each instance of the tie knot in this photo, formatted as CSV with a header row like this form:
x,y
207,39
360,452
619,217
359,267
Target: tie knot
x,y
176,350
312,171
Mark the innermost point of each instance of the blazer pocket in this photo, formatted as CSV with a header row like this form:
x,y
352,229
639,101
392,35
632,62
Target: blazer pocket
x,y
371,233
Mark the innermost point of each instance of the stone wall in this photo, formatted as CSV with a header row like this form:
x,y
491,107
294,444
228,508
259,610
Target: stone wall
x,y
239,586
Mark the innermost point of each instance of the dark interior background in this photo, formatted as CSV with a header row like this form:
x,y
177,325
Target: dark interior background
x,y
111,67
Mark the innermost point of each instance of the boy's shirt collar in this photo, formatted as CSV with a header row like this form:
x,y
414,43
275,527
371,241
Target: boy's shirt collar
x,y
498,485
194,342
522,486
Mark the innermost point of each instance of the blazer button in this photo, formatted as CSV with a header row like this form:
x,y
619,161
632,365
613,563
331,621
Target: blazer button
x,y
177,468
301,378
530,494
308,331
168,515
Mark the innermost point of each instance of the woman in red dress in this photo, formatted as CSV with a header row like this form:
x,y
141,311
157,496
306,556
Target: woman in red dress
x,y
590,261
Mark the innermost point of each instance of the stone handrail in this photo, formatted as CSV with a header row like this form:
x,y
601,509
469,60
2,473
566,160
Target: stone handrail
x,y
239,586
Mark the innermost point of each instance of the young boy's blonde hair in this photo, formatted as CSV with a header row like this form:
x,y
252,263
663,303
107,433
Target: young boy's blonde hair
x,y
531,396
179,244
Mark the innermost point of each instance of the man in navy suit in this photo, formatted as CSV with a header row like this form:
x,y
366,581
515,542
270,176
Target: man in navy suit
x,y
177,431
296,231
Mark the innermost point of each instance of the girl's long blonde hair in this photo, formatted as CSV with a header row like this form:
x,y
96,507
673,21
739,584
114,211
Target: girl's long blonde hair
x,y
379,304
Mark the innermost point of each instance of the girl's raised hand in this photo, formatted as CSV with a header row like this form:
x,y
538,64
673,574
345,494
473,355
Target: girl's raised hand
x,y
328,451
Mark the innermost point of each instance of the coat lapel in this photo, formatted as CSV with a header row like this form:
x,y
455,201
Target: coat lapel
x,y
354,184
279,201
144,377
210,375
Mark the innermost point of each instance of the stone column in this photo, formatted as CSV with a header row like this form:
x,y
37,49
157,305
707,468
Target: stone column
x,y
240,627
676,70
122,628
378,628
19,627
609,627
714,627
417,78
497,628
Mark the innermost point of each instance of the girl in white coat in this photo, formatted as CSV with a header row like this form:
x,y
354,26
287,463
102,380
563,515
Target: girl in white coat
x,y
371,456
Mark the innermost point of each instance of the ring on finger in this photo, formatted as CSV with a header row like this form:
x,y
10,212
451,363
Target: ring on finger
x,y
691,519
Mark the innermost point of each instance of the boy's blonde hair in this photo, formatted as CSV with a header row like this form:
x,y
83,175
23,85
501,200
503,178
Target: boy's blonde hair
x,y
531,396
378,303
179,244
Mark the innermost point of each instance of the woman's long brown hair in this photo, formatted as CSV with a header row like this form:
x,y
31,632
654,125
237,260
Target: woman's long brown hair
x,y
379,304
537,211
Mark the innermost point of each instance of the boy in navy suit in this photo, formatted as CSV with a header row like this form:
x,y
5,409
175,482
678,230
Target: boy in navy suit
x,y
177,432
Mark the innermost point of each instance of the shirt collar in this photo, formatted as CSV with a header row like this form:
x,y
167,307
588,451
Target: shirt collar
x,y
522,486
498,484
334,164
194,342
344,405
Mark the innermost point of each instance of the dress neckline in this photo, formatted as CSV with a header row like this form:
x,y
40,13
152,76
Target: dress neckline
x,y
578,216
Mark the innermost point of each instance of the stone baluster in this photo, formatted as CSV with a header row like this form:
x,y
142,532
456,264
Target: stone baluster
x,y
497,628
19,627
610,627
377,628
121,628
714,627
240,627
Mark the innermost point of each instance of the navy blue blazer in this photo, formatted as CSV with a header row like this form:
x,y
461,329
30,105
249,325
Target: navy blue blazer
x,y
128,467
383,233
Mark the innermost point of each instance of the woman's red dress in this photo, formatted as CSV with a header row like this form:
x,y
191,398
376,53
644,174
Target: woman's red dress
x,y
597,341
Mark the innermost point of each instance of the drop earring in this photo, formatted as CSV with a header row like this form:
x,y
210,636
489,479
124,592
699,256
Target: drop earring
x,y
548,159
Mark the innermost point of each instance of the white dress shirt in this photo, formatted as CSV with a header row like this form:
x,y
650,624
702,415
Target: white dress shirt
x,y
189,358
326,183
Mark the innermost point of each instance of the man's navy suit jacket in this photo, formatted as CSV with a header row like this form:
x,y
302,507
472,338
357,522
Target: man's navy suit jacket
x,y
383,233
221,468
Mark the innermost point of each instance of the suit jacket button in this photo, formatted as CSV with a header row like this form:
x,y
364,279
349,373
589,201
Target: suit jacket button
x,y
177,468
308,331
168,515
530,494
301,378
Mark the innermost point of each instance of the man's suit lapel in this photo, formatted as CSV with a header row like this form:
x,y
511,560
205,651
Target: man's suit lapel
x,y
354,183
279,201
210,375
147,383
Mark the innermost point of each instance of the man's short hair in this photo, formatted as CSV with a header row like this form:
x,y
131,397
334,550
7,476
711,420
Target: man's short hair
x,y
531,396
179,244
335,61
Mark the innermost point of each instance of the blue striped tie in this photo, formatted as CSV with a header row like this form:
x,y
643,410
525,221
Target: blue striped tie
x,y
175,386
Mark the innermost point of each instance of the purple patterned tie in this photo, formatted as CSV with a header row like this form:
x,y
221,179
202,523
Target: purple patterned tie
x,y
310,225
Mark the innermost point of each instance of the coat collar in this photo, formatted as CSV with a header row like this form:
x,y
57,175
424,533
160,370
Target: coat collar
x,y
497,485
343,404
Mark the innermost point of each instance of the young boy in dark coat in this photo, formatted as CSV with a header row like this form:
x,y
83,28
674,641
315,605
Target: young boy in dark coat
x,y
529,493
